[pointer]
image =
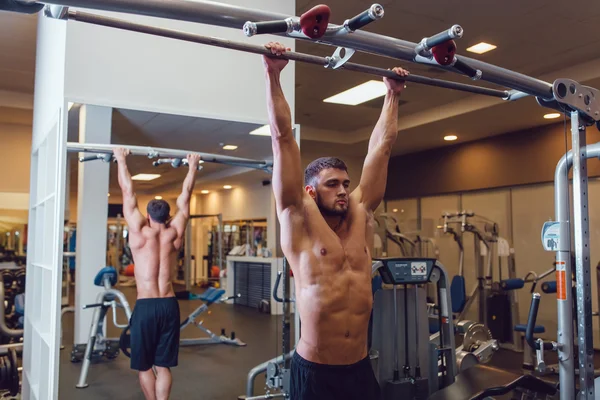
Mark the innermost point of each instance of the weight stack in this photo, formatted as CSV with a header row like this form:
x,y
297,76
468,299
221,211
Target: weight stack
x,y
499,320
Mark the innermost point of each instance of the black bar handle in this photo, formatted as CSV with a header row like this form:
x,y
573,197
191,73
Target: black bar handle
x,y
93,305
456,31
275,296
21,7
261,28
466,69
533,310
89,158
363,19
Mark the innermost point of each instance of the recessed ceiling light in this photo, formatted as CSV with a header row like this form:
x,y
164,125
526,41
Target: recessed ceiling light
x,y
227,187
395,210
359,94
481,48
158,197
264,130
551,115
205,192
229,147
108,194
145,177
450,138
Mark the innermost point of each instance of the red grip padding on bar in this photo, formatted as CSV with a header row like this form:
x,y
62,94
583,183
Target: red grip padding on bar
x,y
314,22
444,53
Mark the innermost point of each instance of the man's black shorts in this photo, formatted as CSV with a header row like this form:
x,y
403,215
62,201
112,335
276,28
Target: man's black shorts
x,y
312,381
155,333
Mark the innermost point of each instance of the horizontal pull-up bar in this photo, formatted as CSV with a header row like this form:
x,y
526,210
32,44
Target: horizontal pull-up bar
x,y
307,58
230,16
162,153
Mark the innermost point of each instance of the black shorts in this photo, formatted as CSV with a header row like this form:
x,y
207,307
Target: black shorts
x,y
314,381
155,333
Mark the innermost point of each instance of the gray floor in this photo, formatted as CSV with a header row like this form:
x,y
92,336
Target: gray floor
x,y
211,372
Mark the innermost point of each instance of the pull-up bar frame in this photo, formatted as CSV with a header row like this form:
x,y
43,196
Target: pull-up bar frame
x,y
229,16
157,152
551,95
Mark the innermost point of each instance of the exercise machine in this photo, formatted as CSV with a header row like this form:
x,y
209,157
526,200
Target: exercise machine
x,y
514,285
277,369
496,304
98,345
427,367
209,297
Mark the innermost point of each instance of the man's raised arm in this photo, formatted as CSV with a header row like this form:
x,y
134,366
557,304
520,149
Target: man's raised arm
x,y
287,171
180,220
134,218
373,180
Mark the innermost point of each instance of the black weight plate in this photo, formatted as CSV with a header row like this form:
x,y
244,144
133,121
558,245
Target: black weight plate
x,y
3,377
15,385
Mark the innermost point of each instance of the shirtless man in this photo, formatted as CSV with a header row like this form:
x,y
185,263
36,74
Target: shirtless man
x,y
155,241
326,235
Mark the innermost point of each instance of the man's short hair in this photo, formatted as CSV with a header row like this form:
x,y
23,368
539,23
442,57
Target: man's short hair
x,y
159,211
314,168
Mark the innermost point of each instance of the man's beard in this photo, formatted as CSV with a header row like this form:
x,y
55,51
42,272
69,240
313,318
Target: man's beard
x,y
331,212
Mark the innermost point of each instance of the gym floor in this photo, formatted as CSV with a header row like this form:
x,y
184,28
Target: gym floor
x,y
209,372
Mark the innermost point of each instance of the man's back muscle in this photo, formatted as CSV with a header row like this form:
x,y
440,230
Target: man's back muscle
x,y
155,253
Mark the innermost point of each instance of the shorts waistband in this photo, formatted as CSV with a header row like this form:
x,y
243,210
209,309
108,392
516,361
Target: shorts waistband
x,y
156,299
298,359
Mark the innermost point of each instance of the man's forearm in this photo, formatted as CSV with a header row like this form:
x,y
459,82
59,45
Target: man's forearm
x,y
280,116
386,130
183,201
189,181
125,181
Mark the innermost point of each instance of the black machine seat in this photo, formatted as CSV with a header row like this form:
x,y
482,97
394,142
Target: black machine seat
x,y
481,381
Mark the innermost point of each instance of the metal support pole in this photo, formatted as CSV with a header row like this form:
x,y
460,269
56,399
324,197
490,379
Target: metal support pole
x,y
220,236
564,298
188,256
286,295
480,279
582,259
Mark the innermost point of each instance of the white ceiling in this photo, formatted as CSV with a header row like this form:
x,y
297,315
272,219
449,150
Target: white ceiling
x,y
542,38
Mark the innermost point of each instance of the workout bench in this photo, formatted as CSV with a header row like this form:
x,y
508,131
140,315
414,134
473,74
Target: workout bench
x,y
209,297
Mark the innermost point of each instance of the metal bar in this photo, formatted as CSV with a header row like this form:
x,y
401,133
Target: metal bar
x,y
564,300
259,369
188,256
220,236
155,152
249,48
286,320
582,259
229,16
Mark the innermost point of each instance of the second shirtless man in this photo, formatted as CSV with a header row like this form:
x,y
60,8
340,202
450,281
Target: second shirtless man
x,y
155,241
326,235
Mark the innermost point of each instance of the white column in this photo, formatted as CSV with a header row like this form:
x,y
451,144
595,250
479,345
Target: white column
x,y
92,215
